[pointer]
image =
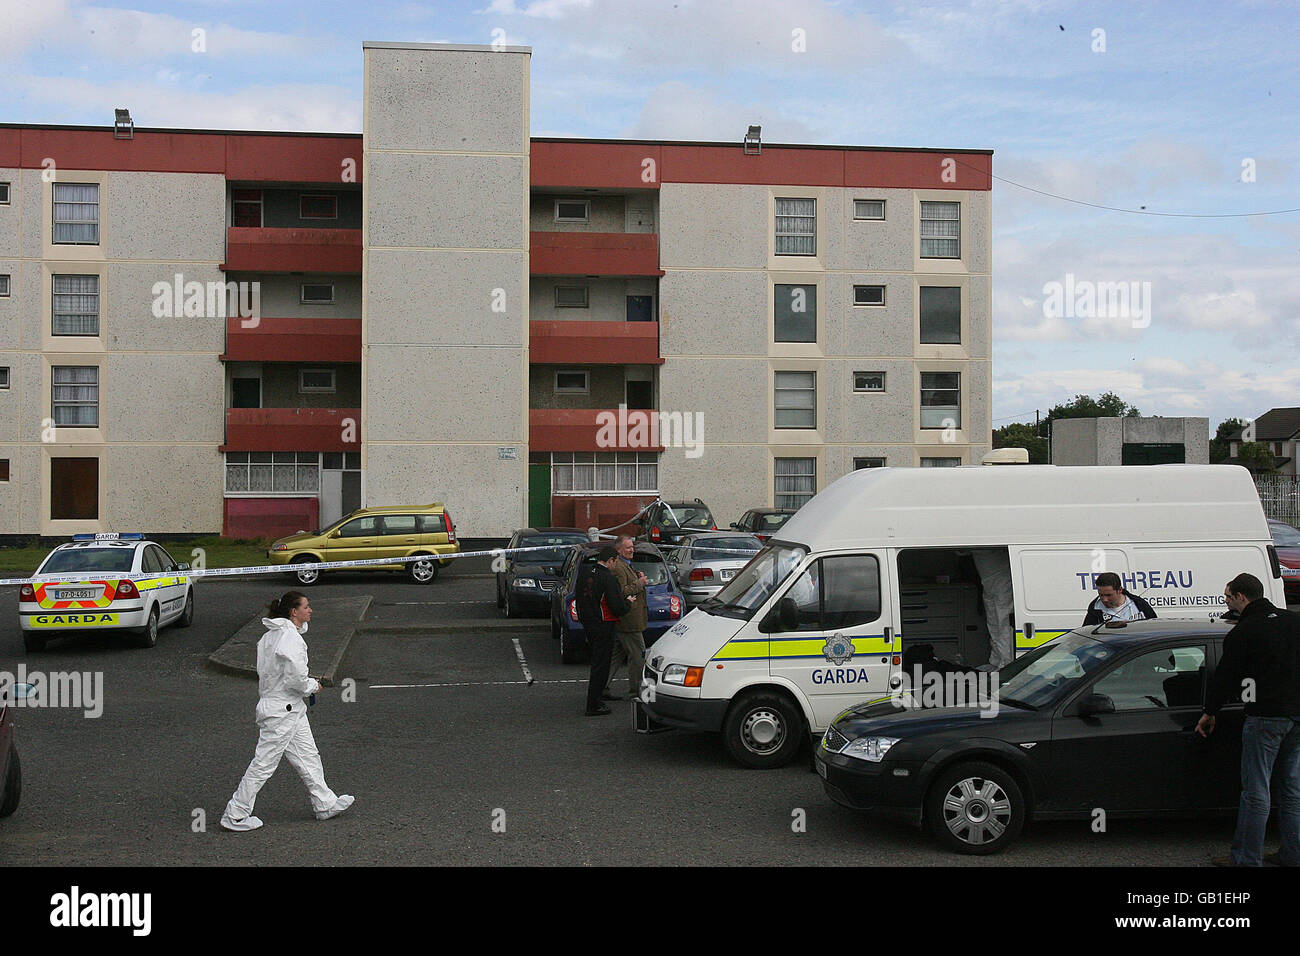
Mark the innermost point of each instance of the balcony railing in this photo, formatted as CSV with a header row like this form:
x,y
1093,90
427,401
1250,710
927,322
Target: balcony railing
x,y
593,343
594,253
593,429
292,340
293,429
292,250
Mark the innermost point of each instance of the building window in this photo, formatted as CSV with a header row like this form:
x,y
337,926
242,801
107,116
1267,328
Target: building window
x,y
4,286
4,469
317,294
796,481
571,297
796,227
572,382
4,194
572,210
246,208
604,472
75,398
941,400
74,489
4,376
795,318
940,230
318,206
940,315
272,473
868,381
868,209
795,400
859,463
940,462
76,305
76,214
315,380
868,295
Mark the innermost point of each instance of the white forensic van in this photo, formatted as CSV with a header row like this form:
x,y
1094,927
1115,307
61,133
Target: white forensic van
x,y
881,560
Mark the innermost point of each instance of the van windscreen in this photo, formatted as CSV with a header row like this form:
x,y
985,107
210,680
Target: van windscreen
x,y
751,588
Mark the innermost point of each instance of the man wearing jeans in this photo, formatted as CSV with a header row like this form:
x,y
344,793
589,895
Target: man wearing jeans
x,y
1261,664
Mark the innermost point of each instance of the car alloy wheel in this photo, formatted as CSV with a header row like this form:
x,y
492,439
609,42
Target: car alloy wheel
x,y
306,575
975,808
422,572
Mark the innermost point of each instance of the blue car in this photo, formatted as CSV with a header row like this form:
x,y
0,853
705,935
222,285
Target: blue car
x,y
664,602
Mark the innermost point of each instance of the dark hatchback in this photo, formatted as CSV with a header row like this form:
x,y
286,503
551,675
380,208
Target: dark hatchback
x,y
664,602
525,586
670,522
1097,719
762,523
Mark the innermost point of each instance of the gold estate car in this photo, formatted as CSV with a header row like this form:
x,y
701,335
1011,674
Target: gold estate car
x,y
396,532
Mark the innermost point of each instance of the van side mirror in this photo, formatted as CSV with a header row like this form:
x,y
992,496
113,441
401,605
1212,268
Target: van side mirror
x,y
1096,704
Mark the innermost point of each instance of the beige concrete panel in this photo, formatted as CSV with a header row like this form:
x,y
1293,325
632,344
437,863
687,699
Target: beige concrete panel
x,y
978,209
445,298
188,482
31,211
606,299
606,387
416,394
11,305
11,215
879,417
172,216
714,313
280,387
606,213
1074,441
886,245
832,312
32,280
11,490
730,479
888,329
709,226
29,489
979,317
832,208
461,202
733,395
460,100
131,291
33,396
978,412
484,494
161,398
281,296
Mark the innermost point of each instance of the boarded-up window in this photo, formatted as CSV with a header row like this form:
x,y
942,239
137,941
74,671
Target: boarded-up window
x,y
74,489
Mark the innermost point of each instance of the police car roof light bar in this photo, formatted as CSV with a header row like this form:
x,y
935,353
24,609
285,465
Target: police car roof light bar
x,y
108,536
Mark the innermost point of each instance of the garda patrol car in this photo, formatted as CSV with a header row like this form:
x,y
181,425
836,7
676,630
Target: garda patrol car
x,y
884,560
115,581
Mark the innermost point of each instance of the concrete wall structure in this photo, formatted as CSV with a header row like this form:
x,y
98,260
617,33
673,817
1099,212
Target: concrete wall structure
x,y
1101,441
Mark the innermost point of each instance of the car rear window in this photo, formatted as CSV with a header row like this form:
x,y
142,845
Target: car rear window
x,y
91,559
687,516
553,556
1285,536
653,568
706,549
432,524
772,522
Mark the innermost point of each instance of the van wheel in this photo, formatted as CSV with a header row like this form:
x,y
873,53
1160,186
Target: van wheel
x,y
187,615
33,643
975,808
149,633
762,730
305,575
13,786
422,572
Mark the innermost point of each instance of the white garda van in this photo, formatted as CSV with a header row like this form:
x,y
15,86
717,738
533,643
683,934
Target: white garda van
x,y
880,561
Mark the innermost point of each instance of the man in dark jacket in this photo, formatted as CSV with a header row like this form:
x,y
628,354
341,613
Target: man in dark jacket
x,y
600,604
1260,666
1115,604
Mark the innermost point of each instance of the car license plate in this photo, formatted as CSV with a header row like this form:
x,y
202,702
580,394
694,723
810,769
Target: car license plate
x,y
821,769
76,594
728,573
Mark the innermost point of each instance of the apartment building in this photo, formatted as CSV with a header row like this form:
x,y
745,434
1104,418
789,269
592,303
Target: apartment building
x,y
252,333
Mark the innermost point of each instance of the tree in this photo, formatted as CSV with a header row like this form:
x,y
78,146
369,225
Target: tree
x,y
1109,405
1022,435
1257,457
1220,444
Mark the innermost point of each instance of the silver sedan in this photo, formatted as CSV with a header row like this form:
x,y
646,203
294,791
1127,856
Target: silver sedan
x,y
706,562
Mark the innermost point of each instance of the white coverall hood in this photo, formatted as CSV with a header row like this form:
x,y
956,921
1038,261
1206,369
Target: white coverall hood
x,y
282,679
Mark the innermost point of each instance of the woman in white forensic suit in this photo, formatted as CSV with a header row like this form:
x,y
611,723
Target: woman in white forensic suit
x,y
283,731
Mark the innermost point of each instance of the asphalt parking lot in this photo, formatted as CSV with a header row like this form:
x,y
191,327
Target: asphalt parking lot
x,y
453,758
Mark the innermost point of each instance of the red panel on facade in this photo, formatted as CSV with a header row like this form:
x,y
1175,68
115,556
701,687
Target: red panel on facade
x,y
904,170
292,250
307,159
592,429
594,165
596,511
269,517
594,253
292,429
593,343
11,148
293,340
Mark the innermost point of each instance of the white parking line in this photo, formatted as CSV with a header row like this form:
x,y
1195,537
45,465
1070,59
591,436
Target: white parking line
x,y
480,683
519,653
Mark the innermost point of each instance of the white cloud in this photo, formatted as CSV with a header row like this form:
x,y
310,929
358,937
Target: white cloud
x,y
678,111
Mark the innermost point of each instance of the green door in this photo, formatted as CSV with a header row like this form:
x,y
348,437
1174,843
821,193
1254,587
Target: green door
x,y
539,495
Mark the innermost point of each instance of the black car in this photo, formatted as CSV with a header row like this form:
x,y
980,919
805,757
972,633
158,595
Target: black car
x,y
762,523
1099,720
669,522
525,586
